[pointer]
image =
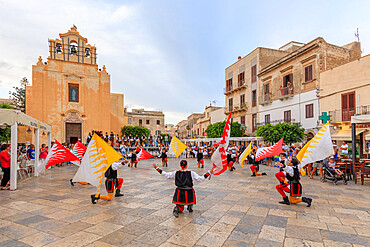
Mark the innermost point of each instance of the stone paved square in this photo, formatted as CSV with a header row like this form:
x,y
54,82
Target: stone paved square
x,y
232,209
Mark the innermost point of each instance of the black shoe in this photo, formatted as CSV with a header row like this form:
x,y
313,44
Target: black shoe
x,y
135,166
202,166
307,200
190,208
176,211
286,201
94,199
253,175
73,184
118,193
264,173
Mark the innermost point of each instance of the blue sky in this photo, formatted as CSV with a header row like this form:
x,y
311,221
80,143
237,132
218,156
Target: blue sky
x,y
170,55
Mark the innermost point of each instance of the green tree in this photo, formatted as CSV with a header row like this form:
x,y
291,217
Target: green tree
x,y
19,95
5,132
291,132
215,130
137,130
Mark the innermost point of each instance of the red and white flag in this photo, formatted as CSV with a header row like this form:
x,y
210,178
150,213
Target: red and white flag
x,y
59,154
219,157
78,150
266,152
143,155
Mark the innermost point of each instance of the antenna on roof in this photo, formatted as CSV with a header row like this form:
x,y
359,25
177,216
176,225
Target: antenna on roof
x,y
357,35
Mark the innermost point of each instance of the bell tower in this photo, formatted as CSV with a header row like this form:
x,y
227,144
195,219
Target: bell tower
x,y
71,46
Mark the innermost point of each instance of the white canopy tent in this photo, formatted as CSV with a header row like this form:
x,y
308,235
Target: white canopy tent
x,y
13,118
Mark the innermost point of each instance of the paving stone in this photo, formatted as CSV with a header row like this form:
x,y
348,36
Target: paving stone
x,y
252,220
294,242
39,239
267,243
301,232
31,220
14,243
272,233
344,237
248,229
278,221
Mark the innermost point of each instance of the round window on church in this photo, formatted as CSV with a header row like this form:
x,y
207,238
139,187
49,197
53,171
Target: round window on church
x,y
73,48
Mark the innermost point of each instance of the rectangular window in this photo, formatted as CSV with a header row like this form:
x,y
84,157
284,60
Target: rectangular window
x,y
242,100
287,116
348,106
309,111
254,122
253,73
241,79
267,119
288,80
308,73
140,122
147,121
266,92
229,84
129,121
158,122
73,92
230,104
254,98
242,120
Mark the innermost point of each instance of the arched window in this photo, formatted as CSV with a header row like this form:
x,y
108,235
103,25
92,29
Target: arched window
x,y
73,47
87,52
58,48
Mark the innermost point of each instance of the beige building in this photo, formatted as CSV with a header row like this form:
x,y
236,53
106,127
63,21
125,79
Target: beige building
x,y
170,129
192,130
241,85
345,93
182,131
202,123
152,120
71,93
288,86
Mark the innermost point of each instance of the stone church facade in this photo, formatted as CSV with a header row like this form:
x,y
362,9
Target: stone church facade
x,y
71,93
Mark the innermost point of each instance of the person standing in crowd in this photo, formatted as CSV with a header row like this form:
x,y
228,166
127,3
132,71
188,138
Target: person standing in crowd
x,y
5,165
344,149
43,155
31,152
200,160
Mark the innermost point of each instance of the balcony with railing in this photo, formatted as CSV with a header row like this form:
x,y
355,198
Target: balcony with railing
x,y
265,99
236,108
345,115
230,89
286,92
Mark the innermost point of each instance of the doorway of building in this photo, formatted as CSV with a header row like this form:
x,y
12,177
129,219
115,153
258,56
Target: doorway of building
x,y
73,132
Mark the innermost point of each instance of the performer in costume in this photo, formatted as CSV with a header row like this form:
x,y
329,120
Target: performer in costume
x,y
184,194
283,162
254,164
112,183
133,158
200,160
163,155
294,188
230,160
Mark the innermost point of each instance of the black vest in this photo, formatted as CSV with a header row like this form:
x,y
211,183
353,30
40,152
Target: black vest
x,y
295,177
110,173
183,179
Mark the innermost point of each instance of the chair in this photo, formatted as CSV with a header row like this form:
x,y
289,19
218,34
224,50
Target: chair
x,y
30,166
20,170
359,172
343,167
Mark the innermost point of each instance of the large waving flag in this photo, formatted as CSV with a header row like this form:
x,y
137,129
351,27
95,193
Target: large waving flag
x,y
244,155
176,147
79,149
59,154
219,157
143,155
266,152
318,148
98,158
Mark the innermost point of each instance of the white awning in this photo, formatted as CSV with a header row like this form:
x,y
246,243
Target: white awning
x,y
218,139
361,119
346,135
9,117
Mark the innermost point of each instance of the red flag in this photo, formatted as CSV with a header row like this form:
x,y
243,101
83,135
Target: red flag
x,y
143,155
79,149
59,154
266,152
219,157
